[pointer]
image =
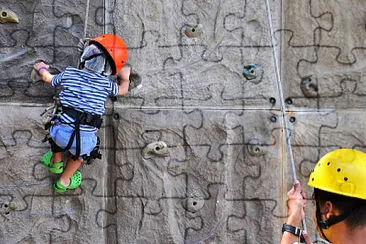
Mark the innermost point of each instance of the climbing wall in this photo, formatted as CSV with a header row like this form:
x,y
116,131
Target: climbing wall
x,y
209,95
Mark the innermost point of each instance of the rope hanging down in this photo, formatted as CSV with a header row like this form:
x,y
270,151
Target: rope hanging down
x,y
281,97
87,17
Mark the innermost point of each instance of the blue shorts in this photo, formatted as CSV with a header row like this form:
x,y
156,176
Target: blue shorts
x,y
61,134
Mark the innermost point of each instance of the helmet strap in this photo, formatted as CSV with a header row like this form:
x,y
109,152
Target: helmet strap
x,y
81,65
321,223
105,67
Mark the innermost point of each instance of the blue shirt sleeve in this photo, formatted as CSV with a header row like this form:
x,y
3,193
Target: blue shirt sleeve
x,y
114,89
56,80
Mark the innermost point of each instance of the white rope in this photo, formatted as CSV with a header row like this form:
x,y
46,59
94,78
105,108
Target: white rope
x,y
86,18
281,97
105,16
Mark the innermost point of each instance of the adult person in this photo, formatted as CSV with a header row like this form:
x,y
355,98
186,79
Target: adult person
x,y
339,182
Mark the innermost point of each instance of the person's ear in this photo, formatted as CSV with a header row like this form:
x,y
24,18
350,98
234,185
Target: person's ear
x,y
329,209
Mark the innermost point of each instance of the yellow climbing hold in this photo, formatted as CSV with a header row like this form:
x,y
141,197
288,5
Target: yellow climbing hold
x,y
7,15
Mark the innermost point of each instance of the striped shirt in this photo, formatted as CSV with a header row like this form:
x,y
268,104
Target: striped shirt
x,y
84,91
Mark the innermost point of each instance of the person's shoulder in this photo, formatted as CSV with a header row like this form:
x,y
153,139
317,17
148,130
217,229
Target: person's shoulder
x,y
87,74
72,69
98,76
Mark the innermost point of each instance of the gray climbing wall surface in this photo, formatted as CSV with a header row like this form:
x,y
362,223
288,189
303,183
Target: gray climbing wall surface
x,y
226,171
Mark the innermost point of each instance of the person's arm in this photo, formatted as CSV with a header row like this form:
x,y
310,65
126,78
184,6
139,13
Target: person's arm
x,y
43,72
123,77
296,202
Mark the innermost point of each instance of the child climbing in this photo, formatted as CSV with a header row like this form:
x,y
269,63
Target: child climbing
x,y
82,100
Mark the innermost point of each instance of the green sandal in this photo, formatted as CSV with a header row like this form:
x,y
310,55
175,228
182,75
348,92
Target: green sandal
x,y
56,168
75,182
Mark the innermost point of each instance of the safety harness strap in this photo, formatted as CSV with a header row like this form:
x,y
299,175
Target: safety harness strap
x,y
80,118
85,118
76,133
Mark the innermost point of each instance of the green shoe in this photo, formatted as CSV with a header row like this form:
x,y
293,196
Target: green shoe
x,y
75,182
56,168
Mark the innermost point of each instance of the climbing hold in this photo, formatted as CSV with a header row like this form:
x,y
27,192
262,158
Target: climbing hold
x,y
272,100
288,101
7,15
273,118
309,87
6,208
116,116
158,148
255,147
135,80
255,150
249,71
193,30
35,76
193,204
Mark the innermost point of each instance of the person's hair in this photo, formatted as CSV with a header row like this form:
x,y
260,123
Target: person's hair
x,y
355,206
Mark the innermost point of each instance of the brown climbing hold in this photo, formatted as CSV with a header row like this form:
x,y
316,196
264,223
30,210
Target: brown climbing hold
x,y
193,30
309,87
7,15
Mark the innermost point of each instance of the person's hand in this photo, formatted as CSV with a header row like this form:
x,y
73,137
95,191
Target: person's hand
x,y
41,68
296,202
124,73
82,44
40,65
307,238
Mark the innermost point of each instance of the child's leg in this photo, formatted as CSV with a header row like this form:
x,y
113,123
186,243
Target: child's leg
x,y
71,167
53,161
56,157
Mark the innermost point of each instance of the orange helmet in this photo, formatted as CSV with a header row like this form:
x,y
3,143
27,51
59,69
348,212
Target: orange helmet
x,y
115,48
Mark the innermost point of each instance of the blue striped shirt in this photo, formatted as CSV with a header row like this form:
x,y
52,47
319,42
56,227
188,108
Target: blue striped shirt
x,y
84,91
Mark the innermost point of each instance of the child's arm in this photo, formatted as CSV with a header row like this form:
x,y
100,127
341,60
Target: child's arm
x,y
123,77
43,72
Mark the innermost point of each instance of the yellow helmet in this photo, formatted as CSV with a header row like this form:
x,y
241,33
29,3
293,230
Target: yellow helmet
x,y
342,171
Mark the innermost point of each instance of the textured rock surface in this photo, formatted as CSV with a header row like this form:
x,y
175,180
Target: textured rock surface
x,y
226,174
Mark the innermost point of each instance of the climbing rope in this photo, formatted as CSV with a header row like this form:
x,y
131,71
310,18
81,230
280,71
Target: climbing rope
x,y
281,97
86,18
105,16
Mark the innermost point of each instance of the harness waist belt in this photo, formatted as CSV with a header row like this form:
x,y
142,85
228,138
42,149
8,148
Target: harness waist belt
x,y
85,118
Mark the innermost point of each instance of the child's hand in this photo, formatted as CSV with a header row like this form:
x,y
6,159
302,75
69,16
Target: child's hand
x,y
40,65
83,43
123,77
124,73
42,69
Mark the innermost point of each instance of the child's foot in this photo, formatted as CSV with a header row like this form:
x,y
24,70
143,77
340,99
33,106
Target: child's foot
x,y
74,182
56,168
